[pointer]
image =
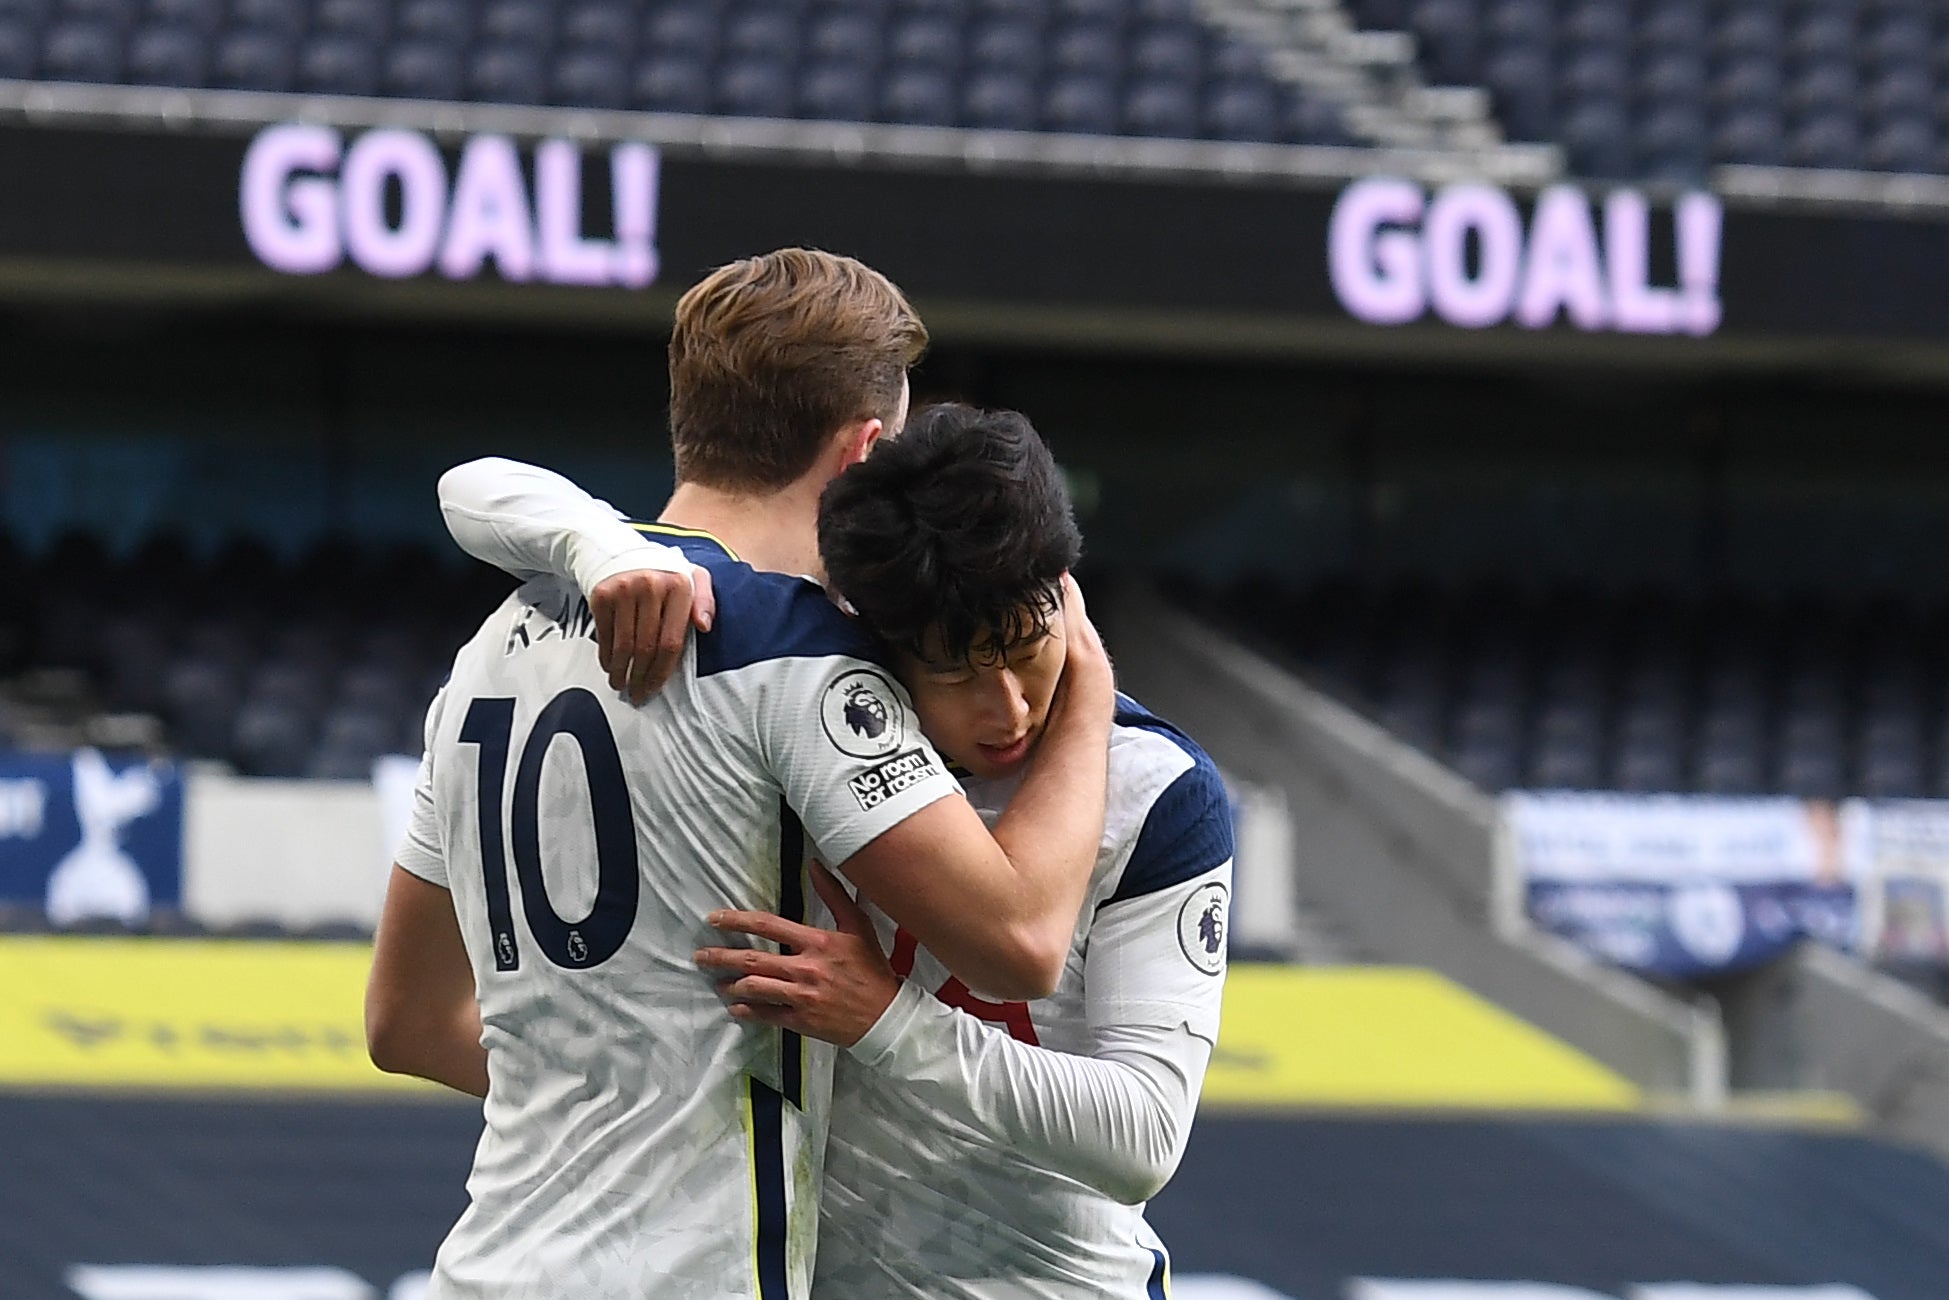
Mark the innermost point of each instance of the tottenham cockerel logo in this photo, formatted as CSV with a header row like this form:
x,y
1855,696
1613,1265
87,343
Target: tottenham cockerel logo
x,y
862,714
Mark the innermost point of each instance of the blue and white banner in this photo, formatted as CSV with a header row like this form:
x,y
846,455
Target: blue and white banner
x,y
86,836
1908,845
1682,886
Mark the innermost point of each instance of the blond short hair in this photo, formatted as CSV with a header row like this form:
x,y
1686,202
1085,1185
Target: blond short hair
x,y
774,354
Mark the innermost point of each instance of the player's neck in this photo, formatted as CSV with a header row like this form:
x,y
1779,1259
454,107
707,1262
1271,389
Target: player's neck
x,y
774,531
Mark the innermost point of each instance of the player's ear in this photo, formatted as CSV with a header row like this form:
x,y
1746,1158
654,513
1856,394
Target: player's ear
x,y
860,441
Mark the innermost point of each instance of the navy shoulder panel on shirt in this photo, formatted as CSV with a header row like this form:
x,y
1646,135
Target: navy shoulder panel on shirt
x,y
762,616
1188,830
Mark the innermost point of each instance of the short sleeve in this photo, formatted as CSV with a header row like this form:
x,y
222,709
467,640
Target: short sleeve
x,y
842,739
422,851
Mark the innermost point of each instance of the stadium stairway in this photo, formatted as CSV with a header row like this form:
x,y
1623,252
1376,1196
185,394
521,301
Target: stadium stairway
x,y
1371,79
1402,853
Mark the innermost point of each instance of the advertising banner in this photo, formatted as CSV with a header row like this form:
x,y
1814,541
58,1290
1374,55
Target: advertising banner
x,y
311,209
131,1198
1907,842
87,836
1682,886
186,1013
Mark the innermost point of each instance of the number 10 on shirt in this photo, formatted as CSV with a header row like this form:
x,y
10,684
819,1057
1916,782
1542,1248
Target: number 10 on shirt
x,y
595,938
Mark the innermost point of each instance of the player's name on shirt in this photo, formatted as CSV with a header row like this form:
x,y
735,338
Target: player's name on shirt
x,y
560,614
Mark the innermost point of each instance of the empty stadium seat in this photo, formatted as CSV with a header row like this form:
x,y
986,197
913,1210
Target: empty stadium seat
x,y
366,20
955,12
920,96
283,17
422,69
1679,27
254,60
527,24
19,51
82,50
1007,45
272,738
348,743
768,35
845,38
1170,52
590,78
1749,31
683,30
117,14
1754,135
926,43
1565,765
1521,79
1313,121
840,92
670,84
755,88
444,22
1597,137
1086,49
1672,144
1595,23
168,56
30,14
1245,110
1903,145
1749,83
1821,36
1594,74
1526,24
1492,767
1030,11
1648,768
609,27
1000,100
1897,40
1829,140
200,699
1446,30
339,65
509,74
1823,88
1166,109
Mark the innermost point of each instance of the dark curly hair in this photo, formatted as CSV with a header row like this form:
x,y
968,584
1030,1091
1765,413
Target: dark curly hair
x,y
952,536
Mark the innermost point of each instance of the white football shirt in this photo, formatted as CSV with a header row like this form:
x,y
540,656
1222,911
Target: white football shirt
x,y
639,1142
923,1200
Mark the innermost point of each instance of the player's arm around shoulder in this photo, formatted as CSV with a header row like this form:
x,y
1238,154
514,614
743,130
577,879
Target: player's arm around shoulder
x,y
645,595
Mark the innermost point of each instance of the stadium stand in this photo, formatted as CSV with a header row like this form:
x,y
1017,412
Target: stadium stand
x,y
1571,689
1153,68
1663,89
213,659
1646,693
